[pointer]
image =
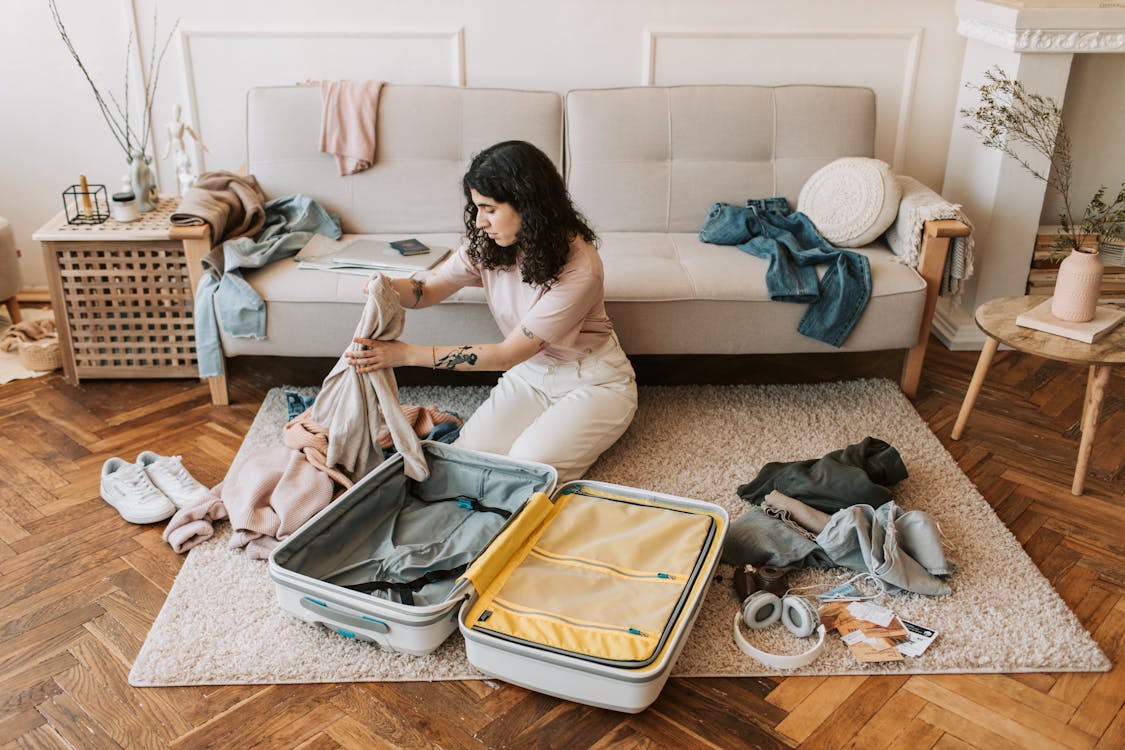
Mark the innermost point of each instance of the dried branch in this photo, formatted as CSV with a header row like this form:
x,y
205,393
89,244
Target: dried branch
x,y
117,115
128,49
1008,116
119,134
154,73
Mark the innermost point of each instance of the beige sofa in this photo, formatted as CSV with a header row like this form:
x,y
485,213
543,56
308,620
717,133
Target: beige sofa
x,y
644,164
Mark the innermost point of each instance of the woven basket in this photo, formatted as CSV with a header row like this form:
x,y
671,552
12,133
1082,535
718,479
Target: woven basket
x,y
42,355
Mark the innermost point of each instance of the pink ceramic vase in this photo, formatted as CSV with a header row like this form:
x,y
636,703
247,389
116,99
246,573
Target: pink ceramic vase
x,y
1077,287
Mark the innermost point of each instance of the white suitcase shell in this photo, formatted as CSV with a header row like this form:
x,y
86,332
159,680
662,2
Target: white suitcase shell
x,y
333,541
546,661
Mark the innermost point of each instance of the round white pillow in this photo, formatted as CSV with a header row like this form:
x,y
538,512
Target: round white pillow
x,y
852,200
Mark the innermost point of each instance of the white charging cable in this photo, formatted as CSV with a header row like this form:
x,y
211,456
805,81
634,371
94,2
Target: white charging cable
x,y
878,583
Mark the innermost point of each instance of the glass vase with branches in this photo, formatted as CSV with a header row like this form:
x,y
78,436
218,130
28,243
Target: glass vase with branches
x,y
116,112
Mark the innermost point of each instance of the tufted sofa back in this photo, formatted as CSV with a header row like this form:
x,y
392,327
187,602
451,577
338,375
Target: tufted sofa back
x,y
654,159
425,138
637,159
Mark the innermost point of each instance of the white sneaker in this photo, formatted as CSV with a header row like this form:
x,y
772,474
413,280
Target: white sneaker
x,y
126,487
171,478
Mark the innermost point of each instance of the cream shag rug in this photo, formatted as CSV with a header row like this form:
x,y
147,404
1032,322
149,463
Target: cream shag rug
x,y
221,623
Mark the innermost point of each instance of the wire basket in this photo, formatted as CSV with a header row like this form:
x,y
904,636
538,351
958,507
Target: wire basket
x,y
42,355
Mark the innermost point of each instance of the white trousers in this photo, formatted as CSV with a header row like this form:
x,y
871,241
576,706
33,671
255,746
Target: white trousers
x,y
562,415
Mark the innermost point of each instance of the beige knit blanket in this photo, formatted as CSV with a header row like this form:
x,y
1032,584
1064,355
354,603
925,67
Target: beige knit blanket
x,y
920,204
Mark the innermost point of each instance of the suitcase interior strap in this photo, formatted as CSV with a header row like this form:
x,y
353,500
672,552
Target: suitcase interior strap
x,y
406,589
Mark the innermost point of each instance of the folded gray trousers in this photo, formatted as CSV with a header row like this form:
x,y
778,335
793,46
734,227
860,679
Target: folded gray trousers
x,y
901,549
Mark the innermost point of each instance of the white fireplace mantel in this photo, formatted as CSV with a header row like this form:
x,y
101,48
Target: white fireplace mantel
x,y
1034,44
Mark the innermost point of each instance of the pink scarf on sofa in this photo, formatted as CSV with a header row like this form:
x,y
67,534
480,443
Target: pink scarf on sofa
x,y
347,125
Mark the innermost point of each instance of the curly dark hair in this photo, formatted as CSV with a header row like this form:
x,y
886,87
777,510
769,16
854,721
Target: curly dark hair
x,y
518,173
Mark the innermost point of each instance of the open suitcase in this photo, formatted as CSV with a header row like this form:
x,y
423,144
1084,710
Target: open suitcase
x,y
587,594
380,563
590,594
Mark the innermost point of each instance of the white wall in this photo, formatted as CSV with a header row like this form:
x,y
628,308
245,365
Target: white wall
x,y
51,131
1094,114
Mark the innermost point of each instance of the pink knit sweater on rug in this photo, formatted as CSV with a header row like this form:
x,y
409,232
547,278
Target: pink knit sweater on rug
x,y
267,497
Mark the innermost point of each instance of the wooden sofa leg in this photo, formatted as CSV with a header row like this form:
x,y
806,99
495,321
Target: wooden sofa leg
x,y
936,238
13,306
220,394
912,369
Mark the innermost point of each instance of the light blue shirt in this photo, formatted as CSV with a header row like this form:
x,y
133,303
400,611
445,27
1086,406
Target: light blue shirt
x,y
225,295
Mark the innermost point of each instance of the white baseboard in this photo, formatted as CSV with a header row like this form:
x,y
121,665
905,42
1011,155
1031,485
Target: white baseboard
x,y
953,327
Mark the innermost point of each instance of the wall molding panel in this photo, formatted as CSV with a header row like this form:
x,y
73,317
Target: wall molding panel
x,y
770,57
225,63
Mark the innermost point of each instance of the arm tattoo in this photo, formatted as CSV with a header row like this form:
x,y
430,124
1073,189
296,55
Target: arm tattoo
x,y
530,335
419,288
458,356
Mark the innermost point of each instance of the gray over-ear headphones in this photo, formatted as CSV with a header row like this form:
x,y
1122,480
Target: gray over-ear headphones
x,y
762,609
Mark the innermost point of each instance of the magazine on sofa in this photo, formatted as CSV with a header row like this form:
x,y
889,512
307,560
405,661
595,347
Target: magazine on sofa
x,y
362,255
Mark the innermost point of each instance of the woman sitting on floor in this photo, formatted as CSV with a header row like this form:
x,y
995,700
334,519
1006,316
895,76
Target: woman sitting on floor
x,y
568,391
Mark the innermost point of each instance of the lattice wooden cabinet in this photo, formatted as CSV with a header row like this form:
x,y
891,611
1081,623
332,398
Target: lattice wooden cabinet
x,y
122,296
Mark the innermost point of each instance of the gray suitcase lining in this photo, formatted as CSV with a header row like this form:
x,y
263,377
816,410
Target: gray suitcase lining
x,y
392,528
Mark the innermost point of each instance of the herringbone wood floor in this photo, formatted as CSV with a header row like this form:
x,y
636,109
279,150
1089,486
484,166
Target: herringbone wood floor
x,y
79,588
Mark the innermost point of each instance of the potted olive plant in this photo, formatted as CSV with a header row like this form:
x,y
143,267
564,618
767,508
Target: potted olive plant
x,y
1016,122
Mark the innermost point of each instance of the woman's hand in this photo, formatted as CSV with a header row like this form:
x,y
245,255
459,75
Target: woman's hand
x,y
374,354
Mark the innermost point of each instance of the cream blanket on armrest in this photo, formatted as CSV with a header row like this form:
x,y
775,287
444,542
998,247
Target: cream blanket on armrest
x,y
921,204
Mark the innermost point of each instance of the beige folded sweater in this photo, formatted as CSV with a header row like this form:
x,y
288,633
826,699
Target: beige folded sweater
x,y
348,402
233,205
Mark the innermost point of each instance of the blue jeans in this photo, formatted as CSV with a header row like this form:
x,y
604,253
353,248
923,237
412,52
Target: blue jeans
x,y
767,229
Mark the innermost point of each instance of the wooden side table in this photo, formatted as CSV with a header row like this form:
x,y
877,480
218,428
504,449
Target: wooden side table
x,y
123,296
997,318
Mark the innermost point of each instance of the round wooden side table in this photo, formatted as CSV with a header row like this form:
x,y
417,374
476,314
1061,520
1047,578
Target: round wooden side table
x,y
997,318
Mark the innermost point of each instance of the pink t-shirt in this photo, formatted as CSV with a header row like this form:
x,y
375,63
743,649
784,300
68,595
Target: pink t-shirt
x,y
570,316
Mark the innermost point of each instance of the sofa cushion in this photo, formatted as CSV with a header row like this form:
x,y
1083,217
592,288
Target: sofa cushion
x,y
673,294
653,266
851,201
703,298
314,313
